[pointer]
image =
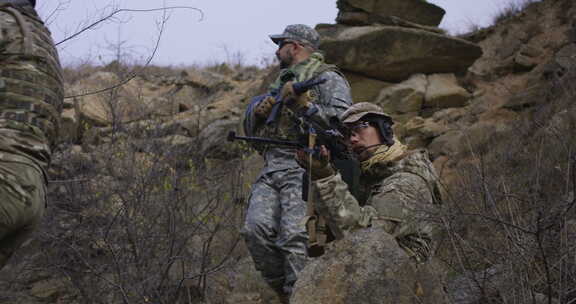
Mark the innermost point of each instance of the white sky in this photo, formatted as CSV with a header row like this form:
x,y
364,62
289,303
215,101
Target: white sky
x,y
230,31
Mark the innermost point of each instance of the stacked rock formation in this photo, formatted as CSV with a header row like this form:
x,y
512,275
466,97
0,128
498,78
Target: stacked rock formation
x,y
394,54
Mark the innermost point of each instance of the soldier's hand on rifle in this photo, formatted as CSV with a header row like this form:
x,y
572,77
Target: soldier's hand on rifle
x,y
318,165
294,101
265,106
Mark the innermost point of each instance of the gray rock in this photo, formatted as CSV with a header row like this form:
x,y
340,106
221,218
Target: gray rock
x,y
391,53
367,267
417,11
566,57
365,88
405,97
444,92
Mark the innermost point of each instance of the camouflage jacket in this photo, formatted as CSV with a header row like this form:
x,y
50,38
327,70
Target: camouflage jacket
x,y
31,86
403,197
331,98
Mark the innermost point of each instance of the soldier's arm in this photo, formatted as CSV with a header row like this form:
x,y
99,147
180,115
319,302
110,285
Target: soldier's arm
x,y
333,97
251,121
404,205
340,209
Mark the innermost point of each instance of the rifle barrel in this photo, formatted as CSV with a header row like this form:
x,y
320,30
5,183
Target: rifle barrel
x,y
232,136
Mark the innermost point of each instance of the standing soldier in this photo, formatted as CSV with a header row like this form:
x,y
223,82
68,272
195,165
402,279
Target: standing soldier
x,y
31,94
273,228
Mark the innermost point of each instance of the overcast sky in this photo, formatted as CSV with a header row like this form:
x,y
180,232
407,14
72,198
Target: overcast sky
x,y
227,31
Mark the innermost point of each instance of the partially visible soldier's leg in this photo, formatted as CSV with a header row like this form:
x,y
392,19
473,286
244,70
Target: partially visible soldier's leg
x,y
22,203
261,232
293,237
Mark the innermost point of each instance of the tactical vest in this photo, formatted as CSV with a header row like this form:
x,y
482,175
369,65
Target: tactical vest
x,y
31,83
288,126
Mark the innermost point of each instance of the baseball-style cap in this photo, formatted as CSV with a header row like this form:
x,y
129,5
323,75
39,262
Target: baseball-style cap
x,y
355,112
299,32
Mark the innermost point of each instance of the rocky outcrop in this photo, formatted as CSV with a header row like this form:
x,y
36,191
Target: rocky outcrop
x,y
356,12
198,104
365,88
394,55
368,267
391,53
444,92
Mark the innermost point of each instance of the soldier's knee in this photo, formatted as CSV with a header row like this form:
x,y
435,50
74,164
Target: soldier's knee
x,y
254,230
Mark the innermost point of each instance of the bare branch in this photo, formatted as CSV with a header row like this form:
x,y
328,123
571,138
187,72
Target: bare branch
x,y
117,11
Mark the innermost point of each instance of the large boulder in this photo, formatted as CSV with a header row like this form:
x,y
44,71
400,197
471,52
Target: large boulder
x,y
417,11
365,88
445,92
391,53
368,267
424,128
405,97
115,103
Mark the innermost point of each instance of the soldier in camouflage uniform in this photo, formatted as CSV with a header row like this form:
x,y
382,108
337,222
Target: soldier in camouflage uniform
x,y
398,188
31,94
273,228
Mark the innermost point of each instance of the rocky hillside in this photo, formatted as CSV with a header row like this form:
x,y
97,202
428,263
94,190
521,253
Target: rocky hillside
x,y
147,196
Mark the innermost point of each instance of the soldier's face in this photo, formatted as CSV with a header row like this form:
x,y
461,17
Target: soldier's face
x,y
285,53
363,139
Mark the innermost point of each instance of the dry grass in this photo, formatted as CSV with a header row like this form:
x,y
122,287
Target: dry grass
x,y
511,220
511,9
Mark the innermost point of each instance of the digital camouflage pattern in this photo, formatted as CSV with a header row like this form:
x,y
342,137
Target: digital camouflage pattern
x,y
31,97
401,196
331,98
299,32
274,232
273,227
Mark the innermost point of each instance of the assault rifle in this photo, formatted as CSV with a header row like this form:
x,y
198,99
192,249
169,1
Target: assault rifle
x,y
332,138
340,156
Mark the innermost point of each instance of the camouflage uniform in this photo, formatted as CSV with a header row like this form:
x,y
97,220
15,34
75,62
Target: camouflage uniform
x,y
31,94
401,195
273,228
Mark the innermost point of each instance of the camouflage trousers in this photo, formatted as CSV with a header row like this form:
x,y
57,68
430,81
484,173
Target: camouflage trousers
x,y
22,204
273,229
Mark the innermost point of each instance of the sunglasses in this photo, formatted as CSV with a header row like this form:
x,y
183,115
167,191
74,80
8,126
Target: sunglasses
x,y
356,127
285,42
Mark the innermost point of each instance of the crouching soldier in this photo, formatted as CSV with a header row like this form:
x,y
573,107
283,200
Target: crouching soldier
x,y
31,95
398,188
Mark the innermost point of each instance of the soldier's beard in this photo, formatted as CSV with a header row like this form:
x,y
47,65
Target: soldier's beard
x,y
286,62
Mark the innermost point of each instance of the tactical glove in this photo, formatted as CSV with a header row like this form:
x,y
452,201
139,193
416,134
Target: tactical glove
x,y
293,101
264,107
320,166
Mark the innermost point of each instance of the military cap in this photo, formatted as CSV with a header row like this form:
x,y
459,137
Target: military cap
x,y
299,32
361,109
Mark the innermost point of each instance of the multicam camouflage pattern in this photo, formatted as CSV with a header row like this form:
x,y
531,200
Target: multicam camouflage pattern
x,y
31,89
402,197
22,197
299,32
274,232
359,110
31,96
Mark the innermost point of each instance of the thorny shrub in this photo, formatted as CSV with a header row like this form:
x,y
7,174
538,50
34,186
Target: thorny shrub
x,y
511,221
138,219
